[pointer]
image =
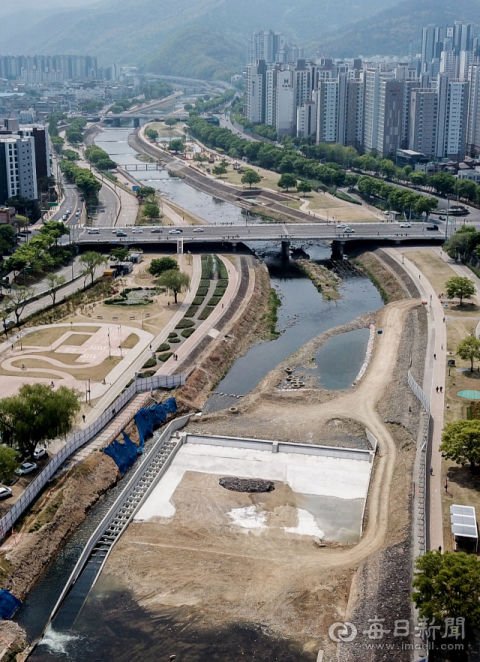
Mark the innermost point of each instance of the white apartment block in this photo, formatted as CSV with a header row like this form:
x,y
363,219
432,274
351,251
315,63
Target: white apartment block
x,y
17,168
473,122
255,89
286,111
307,120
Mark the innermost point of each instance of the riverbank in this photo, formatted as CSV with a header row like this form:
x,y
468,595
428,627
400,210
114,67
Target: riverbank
x,y
325,281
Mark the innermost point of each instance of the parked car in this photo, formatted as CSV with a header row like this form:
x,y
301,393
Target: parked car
x,y
432,227
156,230
175,232
5,492
137,231
26,468
199,230
39,453
406,225
441,218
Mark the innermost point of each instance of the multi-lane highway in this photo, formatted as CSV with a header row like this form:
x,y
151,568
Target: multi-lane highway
x,y
260,232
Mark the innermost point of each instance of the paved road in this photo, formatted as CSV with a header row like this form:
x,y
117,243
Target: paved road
x,y
261,232
225,123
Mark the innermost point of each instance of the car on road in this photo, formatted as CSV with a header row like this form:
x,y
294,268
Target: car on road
x,y
441,218
64,217
342,225
175,232
5,492
199,230
69,211
93,231
156,230
406,225
26,468
348,231
432,227
78,212
121,234
39,453
8,322
137,231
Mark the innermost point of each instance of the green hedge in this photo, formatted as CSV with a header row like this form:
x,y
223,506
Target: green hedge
x,y
185,324
186,333
219,291
198,301
222,282
175,340
207,266
206,312
204,282
165,357
214,301
148,373
192,311
221,268
172,334
202,292
149,364
164,347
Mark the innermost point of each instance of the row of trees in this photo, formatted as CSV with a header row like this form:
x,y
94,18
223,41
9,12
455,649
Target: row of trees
x,y
465,240
74,133
84,180
99,158
402,200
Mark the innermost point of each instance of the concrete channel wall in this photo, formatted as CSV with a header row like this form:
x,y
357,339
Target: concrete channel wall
x,y
282,447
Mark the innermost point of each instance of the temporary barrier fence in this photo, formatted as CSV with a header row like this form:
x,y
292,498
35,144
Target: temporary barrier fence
x,y
79,439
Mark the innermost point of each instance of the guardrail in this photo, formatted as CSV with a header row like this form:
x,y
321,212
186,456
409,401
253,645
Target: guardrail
x,y
81,438
418,392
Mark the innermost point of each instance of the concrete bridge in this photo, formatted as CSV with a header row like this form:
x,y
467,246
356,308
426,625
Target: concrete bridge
x,y
205,236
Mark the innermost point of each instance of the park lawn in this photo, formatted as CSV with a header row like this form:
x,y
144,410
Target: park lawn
x,y
165,132
130,341
45,337
66,359
95,373
438,272
77,339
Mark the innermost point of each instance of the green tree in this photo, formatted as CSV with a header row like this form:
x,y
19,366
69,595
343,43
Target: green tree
x,y
57,143
90,261
151,133
387,168
7,238
18,298
158,266
174,281
419,178
200,157
145,191
443,182
304,187
176,145
170,122
8,462
54,281
461,442
151,210
70,155
425,205
119,254
462,242
250,177
188,107
448,586
37,415
461,287
469,349
287,181
219,170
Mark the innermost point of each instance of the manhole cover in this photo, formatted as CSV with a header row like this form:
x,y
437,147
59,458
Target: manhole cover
x,y
469,395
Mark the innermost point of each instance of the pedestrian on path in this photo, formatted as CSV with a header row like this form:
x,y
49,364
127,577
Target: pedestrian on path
x,y
434,356
441,389
83,417
437,389
444,319
431,471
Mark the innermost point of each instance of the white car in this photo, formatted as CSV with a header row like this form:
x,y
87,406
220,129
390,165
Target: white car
x,y
342,225
406,225
39,453
199,230
137,231
348,231
5,492
26,468
175,232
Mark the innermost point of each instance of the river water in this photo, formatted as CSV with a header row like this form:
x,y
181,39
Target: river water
x,y
111,625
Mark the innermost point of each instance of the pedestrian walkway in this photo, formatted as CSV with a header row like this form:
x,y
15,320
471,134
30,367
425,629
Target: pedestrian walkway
x,y
434,376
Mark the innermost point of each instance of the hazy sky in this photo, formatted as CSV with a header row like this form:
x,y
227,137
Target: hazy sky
x,y
20,5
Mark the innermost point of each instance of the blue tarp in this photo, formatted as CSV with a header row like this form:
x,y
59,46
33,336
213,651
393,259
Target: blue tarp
x,y
8,604
123,454
148,419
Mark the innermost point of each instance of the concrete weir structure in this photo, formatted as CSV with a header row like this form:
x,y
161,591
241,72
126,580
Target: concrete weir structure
x,y
330,484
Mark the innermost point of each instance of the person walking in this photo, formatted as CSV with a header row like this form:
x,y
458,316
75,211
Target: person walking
x,y
431,471
434,356
437,389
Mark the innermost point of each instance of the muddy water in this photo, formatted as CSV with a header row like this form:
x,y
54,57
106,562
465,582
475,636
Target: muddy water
x,y
112,627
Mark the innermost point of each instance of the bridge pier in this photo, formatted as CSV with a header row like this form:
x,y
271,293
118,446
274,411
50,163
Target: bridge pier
x,y
234,246
285,248
180,246
116,122
136,122
337,250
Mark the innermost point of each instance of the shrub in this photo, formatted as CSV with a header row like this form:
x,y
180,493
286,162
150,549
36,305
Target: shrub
x,y
206,312
219,292
172,334
198,301
222,282
192,311
148,373
215,300
165,357
175,340
149,364
186,333
221,269
204,282
185,324
202,292
163,347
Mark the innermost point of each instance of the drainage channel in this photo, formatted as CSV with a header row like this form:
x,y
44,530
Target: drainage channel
x,y
151,467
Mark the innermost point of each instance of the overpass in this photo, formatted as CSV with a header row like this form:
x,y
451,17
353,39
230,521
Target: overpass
x,y
191,237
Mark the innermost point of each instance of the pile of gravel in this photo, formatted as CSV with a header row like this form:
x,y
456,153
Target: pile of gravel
x,y
246,484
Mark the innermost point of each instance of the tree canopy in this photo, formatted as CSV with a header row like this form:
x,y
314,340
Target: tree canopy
x,y
461,442
8,462
461,287
119,254
469,350
174,281
161,264
303,187
90,261
176,145
287,181
37,415
250,177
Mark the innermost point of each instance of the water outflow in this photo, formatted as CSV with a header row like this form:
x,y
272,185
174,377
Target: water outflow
x,y
303,315
212,210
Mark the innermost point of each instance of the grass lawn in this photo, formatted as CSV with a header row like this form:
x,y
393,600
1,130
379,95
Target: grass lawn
x,y
45,337
97,373
77,339
463,490
130,341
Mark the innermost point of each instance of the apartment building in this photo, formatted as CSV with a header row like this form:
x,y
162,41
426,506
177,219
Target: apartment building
x,y
17,167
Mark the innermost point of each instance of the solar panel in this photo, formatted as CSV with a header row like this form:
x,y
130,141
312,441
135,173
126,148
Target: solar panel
x,y
462,510
463,519
464,531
